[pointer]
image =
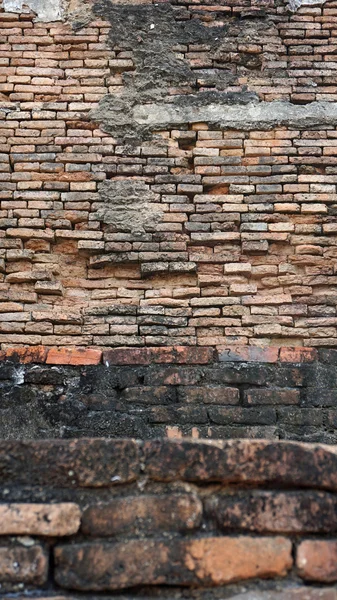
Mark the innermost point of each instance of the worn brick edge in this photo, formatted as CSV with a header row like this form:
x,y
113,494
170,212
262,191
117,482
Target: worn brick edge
x,y
186,355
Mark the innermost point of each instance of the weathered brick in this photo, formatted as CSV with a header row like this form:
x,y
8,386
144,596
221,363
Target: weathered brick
x,y
210,394
206,561
174,512
248,353
23,565
287,593
275,512
37,354
227,461
180,355
298,355
317,560
74,356
39,519
250,416
86,463
272,396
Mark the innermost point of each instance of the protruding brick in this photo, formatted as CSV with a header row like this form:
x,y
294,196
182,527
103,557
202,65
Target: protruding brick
x,y
174,512
317,560
39,519
205,561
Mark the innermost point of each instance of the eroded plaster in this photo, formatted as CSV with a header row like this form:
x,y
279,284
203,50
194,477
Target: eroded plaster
x,y
45,10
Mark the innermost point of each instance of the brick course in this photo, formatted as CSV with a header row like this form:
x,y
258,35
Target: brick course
x,y
208,518
170,392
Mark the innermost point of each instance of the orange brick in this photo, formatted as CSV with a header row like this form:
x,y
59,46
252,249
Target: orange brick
x,y
74,356
317,560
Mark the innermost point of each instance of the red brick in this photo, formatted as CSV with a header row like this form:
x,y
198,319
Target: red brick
x,y
74,356
206,561
317,560
298,355
34,354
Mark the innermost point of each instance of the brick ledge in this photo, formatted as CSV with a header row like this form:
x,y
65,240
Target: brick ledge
x,y
184,355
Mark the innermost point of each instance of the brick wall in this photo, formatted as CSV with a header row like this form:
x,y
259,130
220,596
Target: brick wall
x,y
285,394
223,519
113,234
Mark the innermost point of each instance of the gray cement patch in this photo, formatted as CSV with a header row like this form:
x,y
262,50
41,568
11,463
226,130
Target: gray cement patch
x,y
264,114
218,109
128,205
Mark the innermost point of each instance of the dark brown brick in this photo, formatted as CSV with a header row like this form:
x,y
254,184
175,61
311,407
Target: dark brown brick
x,y
210,394
174,512
272,396
254,461
276,512
23,565
144,356
83,463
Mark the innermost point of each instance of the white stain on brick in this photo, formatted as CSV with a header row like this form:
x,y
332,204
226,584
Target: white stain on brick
x,y
296,4
45,10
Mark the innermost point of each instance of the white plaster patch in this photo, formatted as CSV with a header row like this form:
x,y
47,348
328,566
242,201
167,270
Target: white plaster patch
x,y
19,376
296,4
45,10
